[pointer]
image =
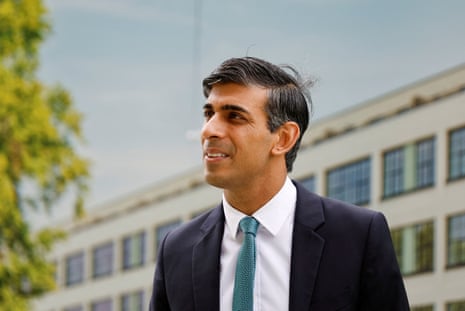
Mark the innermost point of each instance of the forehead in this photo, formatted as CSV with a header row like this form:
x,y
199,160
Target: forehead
x,y
250,96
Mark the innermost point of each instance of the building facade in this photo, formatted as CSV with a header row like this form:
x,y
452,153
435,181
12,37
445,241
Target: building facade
x,y
402,154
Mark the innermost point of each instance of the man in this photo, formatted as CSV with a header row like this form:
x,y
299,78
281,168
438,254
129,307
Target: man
x,y
309,252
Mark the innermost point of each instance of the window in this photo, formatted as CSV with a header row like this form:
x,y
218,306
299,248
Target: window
x,y
134,251
456,306
425,163
309,183
350,183
457,154
456,240
423,308
102,305
409,167
162,230
132,301
75,269
414,247
393,172
103,260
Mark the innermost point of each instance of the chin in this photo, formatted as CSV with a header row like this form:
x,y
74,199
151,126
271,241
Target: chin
x,y
214,180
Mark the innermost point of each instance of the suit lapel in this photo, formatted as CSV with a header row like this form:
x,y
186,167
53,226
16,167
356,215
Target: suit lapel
x,y
307,249
206,263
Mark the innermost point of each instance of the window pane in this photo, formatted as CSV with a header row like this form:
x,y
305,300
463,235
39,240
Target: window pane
x,y
424,247
134,250
103,305
456,306
425,163
75,269
409,167
350,183
393,172
456,240
103,260
457,154
414,246
132,301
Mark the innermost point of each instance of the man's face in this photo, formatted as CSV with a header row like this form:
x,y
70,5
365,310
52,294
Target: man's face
x,y
235,138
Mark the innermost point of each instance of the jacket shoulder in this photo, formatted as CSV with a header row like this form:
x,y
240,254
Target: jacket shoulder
x,y
190,232
328,211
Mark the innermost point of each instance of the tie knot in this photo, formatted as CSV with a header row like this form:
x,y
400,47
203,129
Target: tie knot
x,y
249,225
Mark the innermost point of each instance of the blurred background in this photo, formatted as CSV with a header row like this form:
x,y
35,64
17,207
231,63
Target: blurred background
x,y
134,68
389,89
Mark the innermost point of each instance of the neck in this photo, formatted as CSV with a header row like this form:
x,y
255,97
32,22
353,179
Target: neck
x,y
251,198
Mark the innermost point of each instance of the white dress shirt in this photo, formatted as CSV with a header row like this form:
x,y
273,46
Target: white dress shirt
x,y
273,247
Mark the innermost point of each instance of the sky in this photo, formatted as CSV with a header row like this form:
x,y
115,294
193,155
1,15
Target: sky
x,y
134,68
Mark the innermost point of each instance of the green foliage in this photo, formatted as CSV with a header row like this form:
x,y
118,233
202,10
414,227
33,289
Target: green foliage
x,y
39,129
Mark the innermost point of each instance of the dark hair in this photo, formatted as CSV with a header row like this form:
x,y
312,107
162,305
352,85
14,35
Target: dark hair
x,y
288,99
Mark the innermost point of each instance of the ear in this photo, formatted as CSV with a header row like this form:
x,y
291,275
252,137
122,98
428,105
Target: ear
x,y
286,137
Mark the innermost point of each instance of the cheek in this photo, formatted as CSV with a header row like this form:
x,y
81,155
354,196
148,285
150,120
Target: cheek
x,y
261,146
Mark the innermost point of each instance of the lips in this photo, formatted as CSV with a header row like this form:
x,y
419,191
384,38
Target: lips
x,y
215,155
213,151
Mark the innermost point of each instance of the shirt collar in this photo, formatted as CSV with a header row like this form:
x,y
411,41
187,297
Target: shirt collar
x,y
271,216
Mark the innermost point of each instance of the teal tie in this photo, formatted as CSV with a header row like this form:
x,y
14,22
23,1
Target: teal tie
x,y
245,269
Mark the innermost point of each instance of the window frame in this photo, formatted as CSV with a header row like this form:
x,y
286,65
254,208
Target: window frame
x,y
99,248
460,262
360,182
449,155
131,295
80,255
424,165
451,305
420,250
126,262
94,304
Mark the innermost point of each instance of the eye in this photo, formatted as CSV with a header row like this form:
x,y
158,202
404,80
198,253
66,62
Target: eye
x,y
207,114
236,116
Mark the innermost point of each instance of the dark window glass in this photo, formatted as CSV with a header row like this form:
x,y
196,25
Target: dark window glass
x,y
425,163
393,172
132,301
456,306
414,246
409,168
102,305
350,183
134,251
456,240
103,260
75,269
457,154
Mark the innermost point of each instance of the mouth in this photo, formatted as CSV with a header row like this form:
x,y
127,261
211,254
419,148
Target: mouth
x,y
215,155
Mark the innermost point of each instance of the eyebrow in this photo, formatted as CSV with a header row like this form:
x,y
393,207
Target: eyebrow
x,y
226,108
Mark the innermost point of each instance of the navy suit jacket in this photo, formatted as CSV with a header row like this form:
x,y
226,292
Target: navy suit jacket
x,y
342,259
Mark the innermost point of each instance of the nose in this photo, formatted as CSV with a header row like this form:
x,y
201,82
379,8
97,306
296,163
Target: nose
x,y
212,128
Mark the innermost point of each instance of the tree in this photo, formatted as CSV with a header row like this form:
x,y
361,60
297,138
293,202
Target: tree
x,y
39,131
